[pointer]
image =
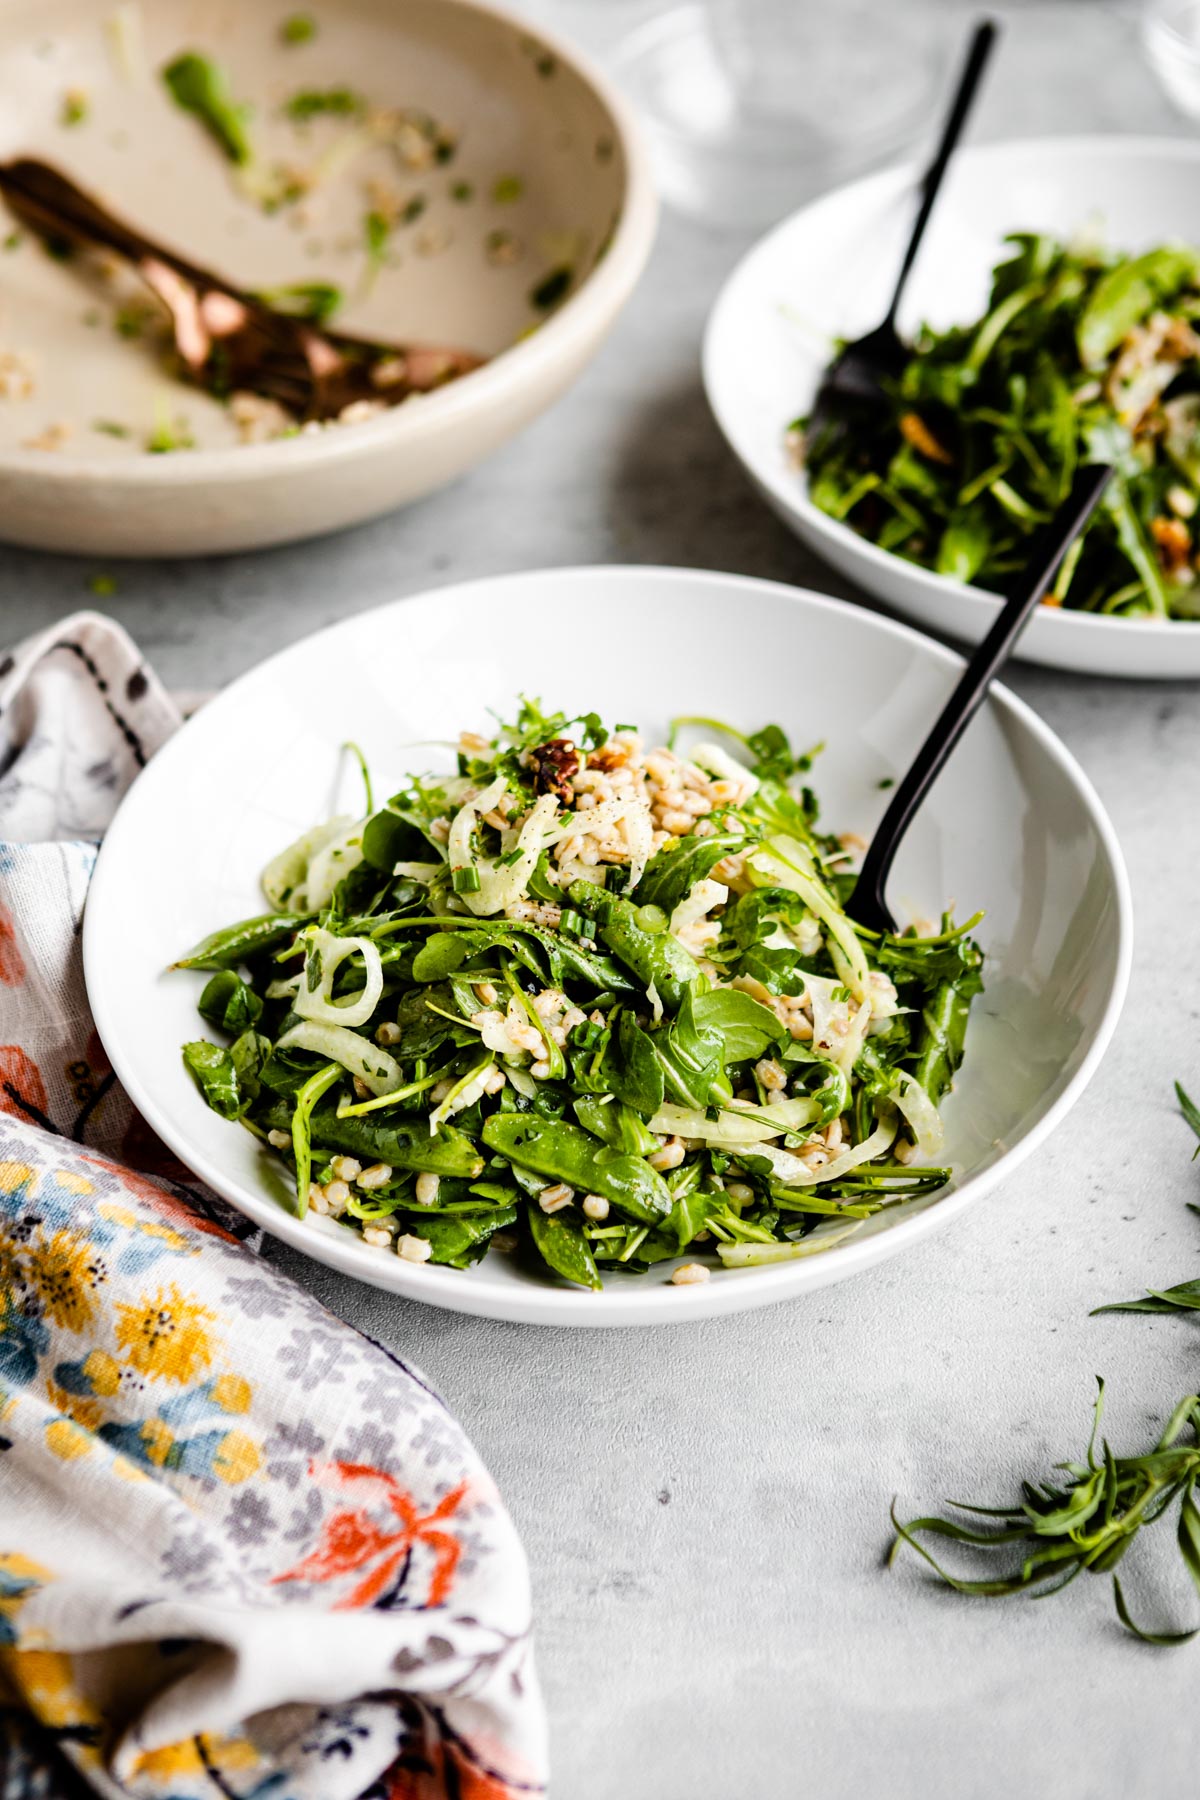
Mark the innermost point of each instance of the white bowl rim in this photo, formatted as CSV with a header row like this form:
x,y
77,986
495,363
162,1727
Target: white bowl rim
x,y
792,495
600,295
632,1304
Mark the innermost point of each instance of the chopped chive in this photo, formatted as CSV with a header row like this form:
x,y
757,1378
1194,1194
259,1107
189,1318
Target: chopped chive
x,y
312,103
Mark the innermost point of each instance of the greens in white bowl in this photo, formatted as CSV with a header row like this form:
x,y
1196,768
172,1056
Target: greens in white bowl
x,y
1012,830
982,382
588,999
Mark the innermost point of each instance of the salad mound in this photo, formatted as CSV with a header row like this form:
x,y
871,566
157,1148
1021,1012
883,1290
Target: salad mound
x,y
1081,356
596,1003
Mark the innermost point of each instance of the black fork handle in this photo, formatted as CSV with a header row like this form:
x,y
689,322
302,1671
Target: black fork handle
x,y
982,41
868,905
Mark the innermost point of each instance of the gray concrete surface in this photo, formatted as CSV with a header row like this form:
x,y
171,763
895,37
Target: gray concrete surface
x,y
705,1509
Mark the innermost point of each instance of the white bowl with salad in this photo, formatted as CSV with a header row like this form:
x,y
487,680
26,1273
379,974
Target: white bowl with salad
x,y
561,1018
427,173
1052,318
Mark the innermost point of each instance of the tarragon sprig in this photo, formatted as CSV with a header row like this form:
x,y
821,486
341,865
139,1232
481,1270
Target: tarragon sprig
x,y
1087,1522
1090,1521
1185,1296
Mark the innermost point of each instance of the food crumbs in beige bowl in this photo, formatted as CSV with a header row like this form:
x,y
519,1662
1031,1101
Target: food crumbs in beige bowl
x,y
412,171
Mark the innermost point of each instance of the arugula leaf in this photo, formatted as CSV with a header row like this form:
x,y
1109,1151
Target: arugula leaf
x,y
670,876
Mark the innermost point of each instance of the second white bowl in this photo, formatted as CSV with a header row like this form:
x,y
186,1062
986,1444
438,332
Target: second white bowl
x,y
828,271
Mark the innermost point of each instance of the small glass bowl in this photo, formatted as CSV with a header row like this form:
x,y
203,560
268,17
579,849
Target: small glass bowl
x,y
1171,41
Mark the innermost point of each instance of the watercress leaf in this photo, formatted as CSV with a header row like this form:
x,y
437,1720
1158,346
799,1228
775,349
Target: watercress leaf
x,y
1124,297
424,1030
617,1124
389,838
746,1027
691,1057
441,954
250,1052
633,1071
688,1215
229,1003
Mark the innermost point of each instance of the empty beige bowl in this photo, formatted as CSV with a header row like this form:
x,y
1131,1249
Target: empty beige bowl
x,y
517,214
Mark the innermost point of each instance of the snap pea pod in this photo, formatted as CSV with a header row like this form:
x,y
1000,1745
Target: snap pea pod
x,y
446,1151
237,943
565,1153
564,1247
656,958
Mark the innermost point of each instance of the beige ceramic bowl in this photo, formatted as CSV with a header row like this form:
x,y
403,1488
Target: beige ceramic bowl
x,y
547,176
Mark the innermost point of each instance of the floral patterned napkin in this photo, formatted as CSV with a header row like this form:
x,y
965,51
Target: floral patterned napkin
x,y
244,1551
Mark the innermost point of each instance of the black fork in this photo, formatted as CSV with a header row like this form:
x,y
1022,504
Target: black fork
x,y
858,375
867,905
